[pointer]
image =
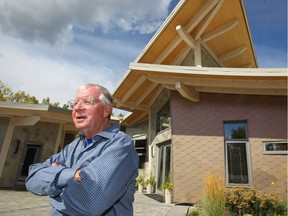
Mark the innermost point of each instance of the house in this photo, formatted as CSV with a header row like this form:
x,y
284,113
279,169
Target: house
x,y
199,103
30,133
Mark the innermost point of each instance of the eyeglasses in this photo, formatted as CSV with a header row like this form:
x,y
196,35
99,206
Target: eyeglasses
x,y
86,102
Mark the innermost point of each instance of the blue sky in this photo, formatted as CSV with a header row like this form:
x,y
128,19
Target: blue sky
x,y
48,48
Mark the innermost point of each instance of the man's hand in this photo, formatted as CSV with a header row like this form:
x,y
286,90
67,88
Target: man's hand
x,y
77,176
55,164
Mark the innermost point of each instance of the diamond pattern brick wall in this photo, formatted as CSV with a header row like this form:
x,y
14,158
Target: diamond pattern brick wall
x,y
198,140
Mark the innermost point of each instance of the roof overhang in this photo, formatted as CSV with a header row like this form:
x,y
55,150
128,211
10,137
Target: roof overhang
x,y
144,82
44,113
217,26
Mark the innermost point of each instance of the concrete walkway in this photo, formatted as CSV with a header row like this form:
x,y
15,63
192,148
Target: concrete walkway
x,y
22,203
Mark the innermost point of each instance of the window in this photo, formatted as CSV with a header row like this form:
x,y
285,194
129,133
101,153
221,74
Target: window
x,y
275,147
140,147
237,153
163,119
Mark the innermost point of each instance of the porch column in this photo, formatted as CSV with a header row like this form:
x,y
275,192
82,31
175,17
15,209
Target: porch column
x,y
14,121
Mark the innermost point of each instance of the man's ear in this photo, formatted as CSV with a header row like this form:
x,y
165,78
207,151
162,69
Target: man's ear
x,y
107,110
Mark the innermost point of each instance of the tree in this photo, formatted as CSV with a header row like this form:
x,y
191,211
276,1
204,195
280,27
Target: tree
x,y
6,94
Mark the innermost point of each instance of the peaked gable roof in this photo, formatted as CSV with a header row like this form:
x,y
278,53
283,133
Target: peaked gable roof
x,y
217,26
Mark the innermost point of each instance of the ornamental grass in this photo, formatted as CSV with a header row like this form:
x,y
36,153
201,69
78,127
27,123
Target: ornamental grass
x,y
213,199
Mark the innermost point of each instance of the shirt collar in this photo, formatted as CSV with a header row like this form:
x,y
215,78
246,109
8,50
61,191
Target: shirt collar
x,y
108,133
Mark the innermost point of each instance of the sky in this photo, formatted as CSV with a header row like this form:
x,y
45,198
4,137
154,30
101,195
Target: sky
x,y
49,48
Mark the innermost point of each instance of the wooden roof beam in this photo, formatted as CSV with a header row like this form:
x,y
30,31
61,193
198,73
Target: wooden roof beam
x,y
146,93
131,105
207,20
204,10
232,53
133,88
186,36
187,92
180,56
220,30
138,118
155,96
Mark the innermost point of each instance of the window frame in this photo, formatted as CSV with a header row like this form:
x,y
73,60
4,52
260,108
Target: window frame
x,y
266,152
248,161
245,141
160,119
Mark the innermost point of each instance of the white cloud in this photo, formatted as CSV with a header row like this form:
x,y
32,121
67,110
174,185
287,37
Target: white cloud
x,y
42,76
49,20
49,47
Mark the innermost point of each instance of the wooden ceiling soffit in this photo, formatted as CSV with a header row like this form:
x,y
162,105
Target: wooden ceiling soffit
x,y
232,53
146,93
180,56
189,27
246,66
187,92
133,88
24,121
136,118
130,105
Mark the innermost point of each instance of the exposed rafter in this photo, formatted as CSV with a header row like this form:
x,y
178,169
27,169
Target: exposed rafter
x,y
187,92
146,93
204,10
232,53
185,36
207,20
133,88
220,30
181,56
137,119
120,104
156,94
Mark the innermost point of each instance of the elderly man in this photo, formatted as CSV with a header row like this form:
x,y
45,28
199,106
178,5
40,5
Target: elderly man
x,y
95,174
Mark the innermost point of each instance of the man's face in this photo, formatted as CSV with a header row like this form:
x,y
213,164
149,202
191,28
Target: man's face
x,y
90,118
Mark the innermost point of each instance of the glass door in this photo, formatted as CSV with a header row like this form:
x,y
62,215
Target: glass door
x,y
164,164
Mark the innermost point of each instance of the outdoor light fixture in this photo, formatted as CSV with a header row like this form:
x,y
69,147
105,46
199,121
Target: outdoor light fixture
x,y
16,146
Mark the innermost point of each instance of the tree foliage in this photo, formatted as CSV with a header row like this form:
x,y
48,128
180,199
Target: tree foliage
x,y
6,94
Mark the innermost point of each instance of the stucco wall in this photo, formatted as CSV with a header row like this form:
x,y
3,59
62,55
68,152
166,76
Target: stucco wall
x,y
42,133
198,140
4,122
207,60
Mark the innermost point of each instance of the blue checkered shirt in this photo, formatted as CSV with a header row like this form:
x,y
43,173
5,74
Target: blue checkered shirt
x,y
109,168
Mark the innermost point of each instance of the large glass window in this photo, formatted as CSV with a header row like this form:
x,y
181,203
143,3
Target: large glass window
x,y
237,153
163,119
